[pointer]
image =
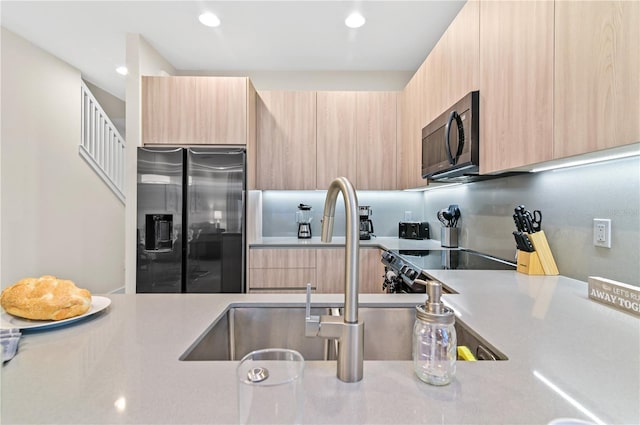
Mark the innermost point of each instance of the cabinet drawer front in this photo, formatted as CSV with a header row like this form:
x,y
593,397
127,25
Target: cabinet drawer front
x,y
282,278
281,258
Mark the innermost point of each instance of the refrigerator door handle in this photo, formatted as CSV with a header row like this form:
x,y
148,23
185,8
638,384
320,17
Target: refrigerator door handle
x,y
218,151
163,150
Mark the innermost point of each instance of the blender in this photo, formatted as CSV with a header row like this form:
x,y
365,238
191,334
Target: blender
x,y
303,218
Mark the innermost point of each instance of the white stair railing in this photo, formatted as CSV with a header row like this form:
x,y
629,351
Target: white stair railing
x,y
101,144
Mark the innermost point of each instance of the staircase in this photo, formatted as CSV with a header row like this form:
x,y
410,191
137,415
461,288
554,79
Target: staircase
x,y
101,144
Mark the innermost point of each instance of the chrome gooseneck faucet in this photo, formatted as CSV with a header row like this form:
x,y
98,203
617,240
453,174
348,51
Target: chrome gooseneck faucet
x,y
346,329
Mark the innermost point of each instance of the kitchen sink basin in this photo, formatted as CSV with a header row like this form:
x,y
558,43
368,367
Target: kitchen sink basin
x,y
388,334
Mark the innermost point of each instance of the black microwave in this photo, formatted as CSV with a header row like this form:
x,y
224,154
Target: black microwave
x,y
450,142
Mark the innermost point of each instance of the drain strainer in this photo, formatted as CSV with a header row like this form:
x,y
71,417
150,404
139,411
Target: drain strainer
x,y
257,374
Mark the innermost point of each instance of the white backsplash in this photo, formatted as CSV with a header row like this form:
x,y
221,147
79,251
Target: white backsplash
x,y
569,200
279,210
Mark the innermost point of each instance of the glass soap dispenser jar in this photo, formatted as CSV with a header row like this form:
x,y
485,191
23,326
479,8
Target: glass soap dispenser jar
x,y
434,338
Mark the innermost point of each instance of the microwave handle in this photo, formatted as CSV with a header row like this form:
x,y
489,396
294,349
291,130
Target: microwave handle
x,y
447,138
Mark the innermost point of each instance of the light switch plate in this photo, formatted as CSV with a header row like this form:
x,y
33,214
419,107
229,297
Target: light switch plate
x,y
602,232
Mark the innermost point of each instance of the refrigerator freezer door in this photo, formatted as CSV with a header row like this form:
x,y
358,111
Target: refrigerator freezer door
x,y
159,222
215,220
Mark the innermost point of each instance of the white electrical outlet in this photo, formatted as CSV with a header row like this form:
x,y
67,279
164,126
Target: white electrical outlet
x,y
602,232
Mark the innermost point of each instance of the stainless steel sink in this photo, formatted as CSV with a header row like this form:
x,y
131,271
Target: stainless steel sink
x,y
388,334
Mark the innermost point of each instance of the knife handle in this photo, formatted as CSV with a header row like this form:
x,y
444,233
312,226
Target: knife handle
x,y
523,243
517,238
516,220
537,220
527,243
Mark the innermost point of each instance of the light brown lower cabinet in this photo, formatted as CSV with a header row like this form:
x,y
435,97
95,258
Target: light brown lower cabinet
x,y
282,280
330,271
274,270
371,271
281,270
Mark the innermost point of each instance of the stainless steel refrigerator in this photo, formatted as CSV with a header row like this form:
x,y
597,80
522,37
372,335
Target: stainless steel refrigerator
x,y
191,219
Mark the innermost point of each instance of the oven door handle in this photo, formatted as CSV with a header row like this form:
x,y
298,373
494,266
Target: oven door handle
x,y
447,137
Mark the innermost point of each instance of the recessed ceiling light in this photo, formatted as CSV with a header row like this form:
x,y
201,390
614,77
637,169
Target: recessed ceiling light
x,y
122,70
209,19
355,20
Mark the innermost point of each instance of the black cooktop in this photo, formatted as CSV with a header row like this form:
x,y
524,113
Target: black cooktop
x,y
462,259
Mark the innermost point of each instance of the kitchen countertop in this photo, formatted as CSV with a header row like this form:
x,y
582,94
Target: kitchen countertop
x,y
376,242
568,357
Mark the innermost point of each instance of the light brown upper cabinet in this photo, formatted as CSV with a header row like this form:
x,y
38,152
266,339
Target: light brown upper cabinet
x,y
409,152
556,79
357,139
516,83
336,137
451,70
376,140
597,75
286,140
197,110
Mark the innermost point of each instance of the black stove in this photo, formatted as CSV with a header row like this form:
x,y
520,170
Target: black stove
x,y
403,267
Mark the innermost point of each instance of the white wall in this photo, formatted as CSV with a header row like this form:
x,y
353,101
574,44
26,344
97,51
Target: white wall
x,y
58,217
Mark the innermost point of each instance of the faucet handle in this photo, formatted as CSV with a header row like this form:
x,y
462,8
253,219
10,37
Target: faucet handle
x,y
311,323
307,311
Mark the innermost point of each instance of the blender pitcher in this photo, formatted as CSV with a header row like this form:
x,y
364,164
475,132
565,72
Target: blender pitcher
x,y
303,218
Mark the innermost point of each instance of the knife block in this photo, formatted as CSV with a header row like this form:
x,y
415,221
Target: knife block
x,y
541,260
529,263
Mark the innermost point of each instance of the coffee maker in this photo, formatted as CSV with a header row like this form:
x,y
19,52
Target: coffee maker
x,y
303,218
366,225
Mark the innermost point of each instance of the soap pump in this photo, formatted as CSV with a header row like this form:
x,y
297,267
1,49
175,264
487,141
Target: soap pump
x,y
434,338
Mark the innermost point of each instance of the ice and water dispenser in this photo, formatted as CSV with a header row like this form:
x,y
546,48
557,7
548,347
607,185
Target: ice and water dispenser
x,y
158,232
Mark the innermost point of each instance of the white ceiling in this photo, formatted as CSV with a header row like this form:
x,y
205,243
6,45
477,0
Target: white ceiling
x,y
254,35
